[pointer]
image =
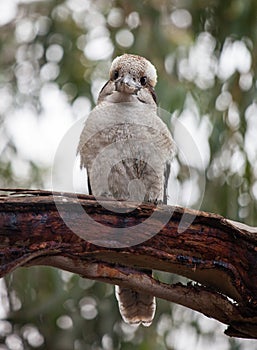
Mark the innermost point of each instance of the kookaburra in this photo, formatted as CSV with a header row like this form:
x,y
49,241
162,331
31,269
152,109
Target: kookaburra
x,y
126,142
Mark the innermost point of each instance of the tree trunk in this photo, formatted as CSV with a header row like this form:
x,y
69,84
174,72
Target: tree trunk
x,y
36,228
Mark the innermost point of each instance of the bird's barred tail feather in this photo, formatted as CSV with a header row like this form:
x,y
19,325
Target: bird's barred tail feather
x,y
135,308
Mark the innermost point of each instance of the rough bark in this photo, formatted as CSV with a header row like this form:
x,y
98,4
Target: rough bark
x,y
216,253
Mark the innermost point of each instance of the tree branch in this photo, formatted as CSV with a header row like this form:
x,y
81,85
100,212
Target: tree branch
x,y
219,254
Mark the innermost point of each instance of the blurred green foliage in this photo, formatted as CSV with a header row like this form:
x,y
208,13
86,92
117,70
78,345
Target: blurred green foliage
x,y
205,55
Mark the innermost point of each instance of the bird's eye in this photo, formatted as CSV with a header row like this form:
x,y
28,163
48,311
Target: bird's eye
x,y
143,80
115,75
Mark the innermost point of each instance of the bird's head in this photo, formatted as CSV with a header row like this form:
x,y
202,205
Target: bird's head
x,y
130,75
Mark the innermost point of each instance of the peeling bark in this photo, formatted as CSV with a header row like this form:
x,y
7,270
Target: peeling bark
x,y
219,254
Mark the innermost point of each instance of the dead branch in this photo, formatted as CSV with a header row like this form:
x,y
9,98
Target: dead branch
x,y
218,254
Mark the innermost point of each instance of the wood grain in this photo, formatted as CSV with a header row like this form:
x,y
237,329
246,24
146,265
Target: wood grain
x,y
218,254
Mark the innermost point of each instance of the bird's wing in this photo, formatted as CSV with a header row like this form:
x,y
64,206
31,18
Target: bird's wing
x,y
166,180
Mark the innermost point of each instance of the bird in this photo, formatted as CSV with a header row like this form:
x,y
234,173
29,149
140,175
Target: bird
x,y
127,149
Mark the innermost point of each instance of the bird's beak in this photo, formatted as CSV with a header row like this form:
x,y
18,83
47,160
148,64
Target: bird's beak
x,y
128,85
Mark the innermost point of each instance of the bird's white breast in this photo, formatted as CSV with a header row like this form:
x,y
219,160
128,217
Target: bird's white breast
x,y
109,123
128,141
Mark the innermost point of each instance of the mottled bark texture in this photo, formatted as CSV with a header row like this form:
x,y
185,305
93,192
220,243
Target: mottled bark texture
x,y
218,254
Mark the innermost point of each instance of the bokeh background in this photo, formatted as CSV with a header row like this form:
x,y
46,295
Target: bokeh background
x,y
55,57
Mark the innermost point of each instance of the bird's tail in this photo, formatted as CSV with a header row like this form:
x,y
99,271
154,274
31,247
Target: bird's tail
x,y
135,308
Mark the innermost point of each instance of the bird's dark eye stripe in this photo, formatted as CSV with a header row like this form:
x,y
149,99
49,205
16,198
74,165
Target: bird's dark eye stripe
x,y
116,75
143,80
